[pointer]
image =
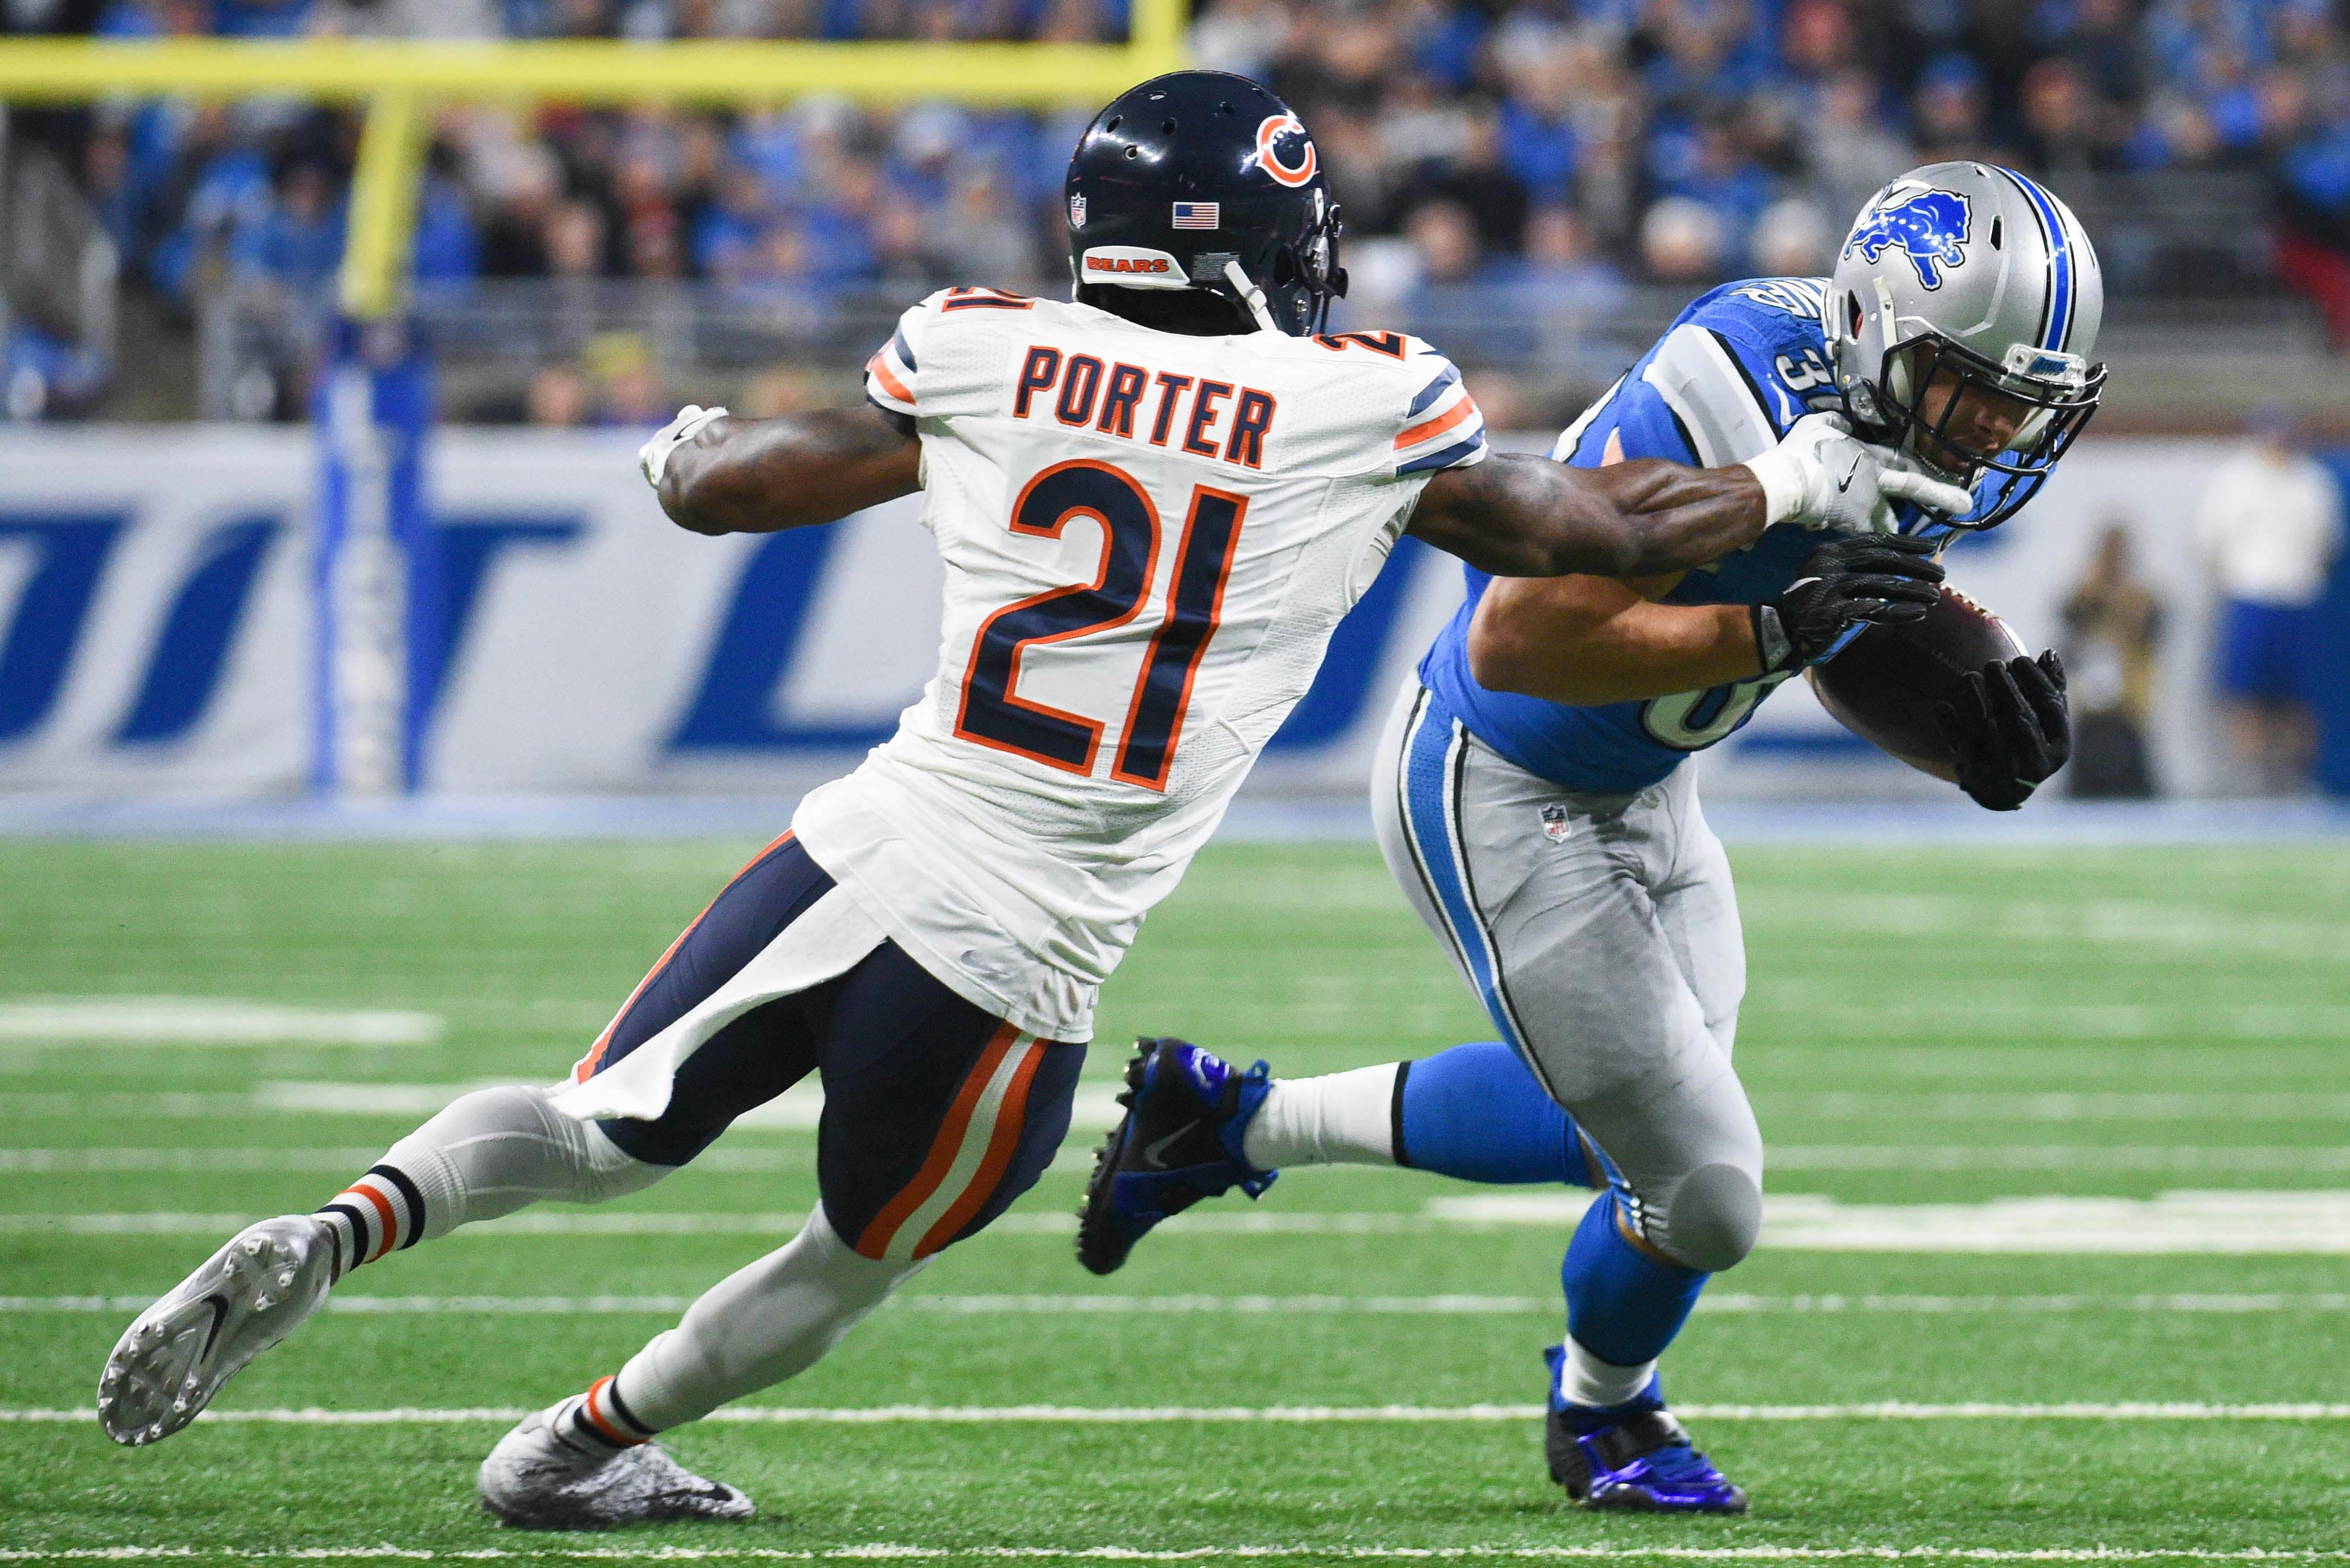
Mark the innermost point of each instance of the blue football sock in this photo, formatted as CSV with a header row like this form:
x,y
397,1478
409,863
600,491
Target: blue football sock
x,y
1477,1113
1624,1304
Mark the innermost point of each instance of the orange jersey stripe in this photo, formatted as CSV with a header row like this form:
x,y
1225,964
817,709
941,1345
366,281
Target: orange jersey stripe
x,y
585,1068
1008,1122
1437,426
878,368
875,1242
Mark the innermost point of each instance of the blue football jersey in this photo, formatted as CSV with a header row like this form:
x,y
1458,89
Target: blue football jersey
x,y
1723,384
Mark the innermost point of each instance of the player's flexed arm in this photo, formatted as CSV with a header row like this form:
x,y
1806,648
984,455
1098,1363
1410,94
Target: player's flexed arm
x,y
718,475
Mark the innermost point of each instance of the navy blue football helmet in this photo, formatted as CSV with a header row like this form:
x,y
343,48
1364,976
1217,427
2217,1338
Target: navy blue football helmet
x,y
1203,180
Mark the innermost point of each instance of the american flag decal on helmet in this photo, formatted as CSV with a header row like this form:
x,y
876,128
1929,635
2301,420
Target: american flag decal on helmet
x,y
1196,214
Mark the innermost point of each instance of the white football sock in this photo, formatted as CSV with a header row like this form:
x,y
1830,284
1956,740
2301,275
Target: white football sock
x,y
1342,1118
1585,1379
487,1154
757,1327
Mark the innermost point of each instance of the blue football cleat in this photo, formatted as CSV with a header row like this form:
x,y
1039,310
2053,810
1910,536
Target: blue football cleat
x,y
1179,1141
1632,1459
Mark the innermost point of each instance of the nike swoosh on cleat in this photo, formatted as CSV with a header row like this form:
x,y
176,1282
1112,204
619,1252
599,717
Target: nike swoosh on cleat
x,y
219,1303
1846,483
1154,1151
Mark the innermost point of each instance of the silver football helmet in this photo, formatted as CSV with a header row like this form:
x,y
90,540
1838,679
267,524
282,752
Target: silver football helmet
x,y
1966,286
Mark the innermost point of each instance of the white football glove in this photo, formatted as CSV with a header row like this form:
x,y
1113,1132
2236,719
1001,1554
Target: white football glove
x,y
652,457
1822,476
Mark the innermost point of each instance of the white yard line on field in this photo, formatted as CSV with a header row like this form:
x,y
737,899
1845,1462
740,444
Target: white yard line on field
x,y
1592,1552
102,1161
2177,1223
1277,1415
2090,1106
1729,1302
798,1107
2175,1159
72,1021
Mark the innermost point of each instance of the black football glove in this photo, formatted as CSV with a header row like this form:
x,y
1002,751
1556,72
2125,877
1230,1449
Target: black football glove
x,y
1880,578
2009,729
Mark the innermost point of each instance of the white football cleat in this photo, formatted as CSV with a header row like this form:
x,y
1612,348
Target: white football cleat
x,y
247,1297
534,1480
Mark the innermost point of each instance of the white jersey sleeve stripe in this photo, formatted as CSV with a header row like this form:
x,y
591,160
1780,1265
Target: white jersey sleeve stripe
x,y
1433,391
1711,397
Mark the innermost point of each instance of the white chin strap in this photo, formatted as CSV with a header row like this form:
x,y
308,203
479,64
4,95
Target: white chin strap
x,y
1251,295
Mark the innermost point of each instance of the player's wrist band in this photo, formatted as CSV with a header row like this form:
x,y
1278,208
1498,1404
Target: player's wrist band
x,y
1782,486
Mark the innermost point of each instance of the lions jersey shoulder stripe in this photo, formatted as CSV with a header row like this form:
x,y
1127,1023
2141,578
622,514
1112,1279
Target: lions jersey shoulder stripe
x,y
1723,384
1730,376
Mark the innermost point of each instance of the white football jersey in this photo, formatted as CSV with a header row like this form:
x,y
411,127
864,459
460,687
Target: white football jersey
x,y
1148,539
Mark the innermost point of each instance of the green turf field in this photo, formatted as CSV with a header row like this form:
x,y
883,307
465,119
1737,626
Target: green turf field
x,y
1953,1034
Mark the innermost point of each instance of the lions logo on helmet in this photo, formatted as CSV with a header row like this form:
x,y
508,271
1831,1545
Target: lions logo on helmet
x,y
1997,310
1930,228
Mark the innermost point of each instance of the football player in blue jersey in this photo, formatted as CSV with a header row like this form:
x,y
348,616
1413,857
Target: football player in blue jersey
x,y
1531,800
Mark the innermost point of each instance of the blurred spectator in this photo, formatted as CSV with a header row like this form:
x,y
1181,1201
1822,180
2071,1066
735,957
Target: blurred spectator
x,y
1856,152
2269,525
1793,239
1674,141
629,387
558,398
1681,242
2111,624
1475,179
1950,111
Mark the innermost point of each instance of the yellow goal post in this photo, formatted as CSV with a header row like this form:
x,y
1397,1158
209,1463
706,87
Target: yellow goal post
x,y
400,82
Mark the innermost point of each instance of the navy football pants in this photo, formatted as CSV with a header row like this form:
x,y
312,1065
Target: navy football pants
x,y
937,1114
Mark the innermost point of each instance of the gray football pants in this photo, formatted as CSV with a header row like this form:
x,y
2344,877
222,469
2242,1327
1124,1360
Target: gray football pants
x,y
1601,933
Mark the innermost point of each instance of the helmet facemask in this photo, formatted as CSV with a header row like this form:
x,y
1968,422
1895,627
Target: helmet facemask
x,y
1307,276
2042,402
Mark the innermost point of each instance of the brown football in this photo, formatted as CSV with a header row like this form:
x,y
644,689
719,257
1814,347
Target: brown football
x,y
1883,687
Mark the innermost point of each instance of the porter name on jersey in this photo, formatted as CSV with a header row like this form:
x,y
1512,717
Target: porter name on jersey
x,y
1077,390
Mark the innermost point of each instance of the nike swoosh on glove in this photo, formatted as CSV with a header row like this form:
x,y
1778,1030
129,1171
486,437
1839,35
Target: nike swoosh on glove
x,y
2011,728
1821,476
652,458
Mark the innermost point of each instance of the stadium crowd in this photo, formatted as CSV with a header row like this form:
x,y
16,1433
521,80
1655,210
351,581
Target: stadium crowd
x,y
1555,150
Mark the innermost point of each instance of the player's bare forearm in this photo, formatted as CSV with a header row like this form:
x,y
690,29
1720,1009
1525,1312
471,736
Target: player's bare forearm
x,y
1582,640
1521,517
758,476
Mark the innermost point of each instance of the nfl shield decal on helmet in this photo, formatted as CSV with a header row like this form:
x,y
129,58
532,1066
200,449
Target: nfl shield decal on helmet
x,y
1928,226
1556,826
1076,212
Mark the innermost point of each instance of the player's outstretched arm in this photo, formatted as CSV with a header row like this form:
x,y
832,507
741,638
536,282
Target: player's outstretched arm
x,y
718,475
1521,517
1531,517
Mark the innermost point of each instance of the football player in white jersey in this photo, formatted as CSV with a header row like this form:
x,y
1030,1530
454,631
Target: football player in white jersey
x,y
1155,503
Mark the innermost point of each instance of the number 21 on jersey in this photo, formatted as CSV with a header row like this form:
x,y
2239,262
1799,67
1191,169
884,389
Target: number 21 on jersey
x,y
994,713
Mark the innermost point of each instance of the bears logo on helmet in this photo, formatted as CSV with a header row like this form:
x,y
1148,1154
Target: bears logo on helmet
x,y
1276,130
